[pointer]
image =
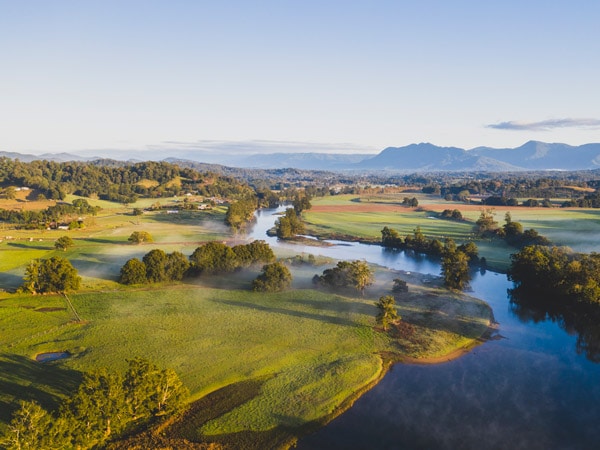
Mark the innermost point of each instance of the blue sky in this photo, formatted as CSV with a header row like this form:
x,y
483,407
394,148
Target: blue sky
x,y
93,76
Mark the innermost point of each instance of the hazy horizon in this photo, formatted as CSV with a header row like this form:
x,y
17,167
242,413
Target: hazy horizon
x,y
89,76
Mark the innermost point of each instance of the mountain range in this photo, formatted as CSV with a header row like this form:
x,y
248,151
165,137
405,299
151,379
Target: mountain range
x,y
424,157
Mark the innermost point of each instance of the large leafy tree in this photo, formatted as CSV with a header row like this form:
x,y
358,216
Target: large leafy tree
x,y
214,257
55,274
254,252
176,266
155,261
289,225
63,243
133,272
355,274
455,267
139,237
274,277
104,406
386,313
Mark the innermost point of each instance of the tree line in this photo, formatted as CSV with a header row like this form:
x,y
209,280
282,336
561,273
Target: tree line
x,y
116,181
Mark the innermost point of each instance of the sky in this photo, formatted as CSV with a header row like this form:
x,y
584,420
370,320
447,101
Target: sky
x,y
99,76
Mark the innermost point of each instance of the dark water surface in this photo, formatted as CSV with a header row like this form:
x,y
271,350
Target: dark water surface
x,y
529,389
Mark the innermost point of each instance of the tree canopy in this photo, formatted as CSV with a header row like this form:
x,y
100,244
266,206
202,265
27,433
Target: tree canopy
x,y
63,243
104,406
356,274
139,237
274,277
50,275
387,313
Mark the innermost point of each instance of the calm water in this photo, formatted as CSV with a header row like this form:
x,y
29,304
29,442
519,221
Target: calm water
x,y
529,389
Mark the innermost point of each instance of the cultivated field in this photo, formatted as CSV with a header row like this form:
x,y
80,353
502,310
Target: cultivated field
x,y
363,217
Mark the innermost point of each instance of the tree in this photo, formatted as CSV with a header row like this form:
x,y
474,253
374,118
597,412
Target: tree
x,y
176,266
455,268
30,428
139,237
239,213
55,274
214,257
486,222
252,253
63,243
387,313
355,274
96,410
289,225
274,277
361,275
133,272
155,261
150,391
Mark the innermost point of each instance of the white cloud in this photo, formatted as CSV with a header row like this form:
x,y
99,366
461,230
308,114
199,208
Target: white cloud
x,y
546,125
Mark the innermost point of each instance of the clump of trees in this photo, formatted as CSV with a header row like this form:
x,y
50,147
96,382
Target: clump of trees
x,y
419,243
49,217
52,275
452,214
486,223
411,202
289,225
139,237
105,405
214,257
356,274
514,235
555,275
455,265
387,313
241,212
156,266
275,277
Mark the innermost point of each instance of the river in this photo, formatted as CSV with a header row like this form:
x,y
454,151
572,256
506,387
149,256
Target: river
x,y
528,389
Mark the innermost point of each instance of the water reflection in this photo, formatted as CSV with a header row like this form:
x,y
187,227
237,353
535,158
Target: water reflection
x,y
581,320
536,388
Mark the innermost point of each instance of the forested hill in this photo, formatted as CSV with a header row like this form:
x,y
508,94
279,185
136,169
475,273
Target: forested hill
x,y
114,180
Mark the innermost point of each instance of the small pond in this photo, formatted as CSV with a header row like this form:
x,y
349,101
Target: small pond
x,y
51,356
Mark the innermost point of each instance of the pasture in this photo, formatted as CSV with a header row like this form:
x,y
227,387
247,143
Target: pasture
x,y
310,352
363,217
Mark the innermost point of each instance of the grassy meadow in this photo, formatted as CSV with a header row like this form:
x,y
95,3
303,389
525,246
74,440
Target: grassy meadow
x,y
363,217
272,365
310,351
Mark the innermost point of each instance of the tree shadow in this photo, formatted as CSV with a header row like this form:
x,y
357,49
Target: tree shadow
x,y
22,378
343,306
10,280
291,312
30,247
107,241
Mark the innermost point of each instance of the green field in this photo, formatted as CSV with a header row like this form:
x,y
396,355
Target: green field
x,y
572,227
312,350
288,361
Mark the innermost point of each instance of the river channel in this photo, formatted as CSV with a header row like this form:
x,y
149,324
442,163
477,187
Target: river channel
x,y
528,389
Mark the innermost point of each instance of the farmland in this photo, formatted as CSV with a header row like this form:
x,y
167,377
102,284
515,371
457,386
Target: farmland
x,y
363,217
318,348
